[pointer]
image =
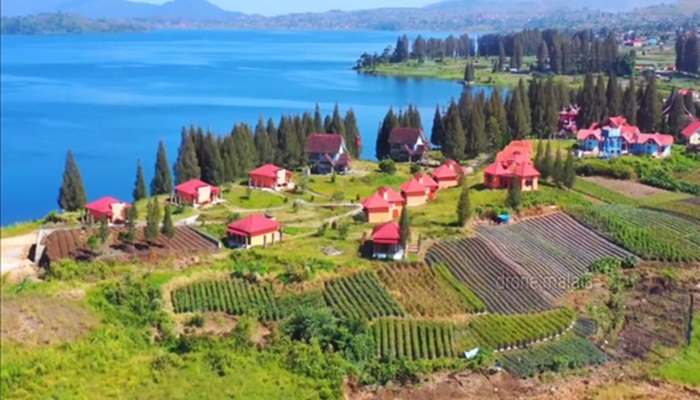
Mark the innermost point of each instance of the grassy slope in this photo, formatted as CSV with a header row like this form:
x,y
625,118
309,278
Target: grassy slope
x,y
683,368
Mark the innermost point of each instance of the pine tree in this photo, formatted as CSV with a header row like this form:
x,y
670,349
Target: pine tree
x,y
414,117
587,101
498,137
501,56
477,128
244,144
469,72
71,195
162,182
518,116
551,107
212,162
513,199
601,100
691,54
547,164
132,216
558,172
539,156
542,57
405,228
437,137
139,192
390,122
527,112
318,120
676,116
229,157
464,211
629,104
352,134
569,170
152,220
337,124
168,228
614,96
263,144
104,229
187,165
517,59
328,124
497,109
455,139
649,116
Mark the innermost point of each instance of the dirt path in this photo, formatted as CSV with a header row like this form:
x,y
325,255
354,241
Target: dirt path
x,y
15,252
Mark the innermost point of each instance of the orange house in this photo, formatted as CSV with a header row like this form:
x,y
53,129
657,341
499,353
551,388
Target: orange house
x,y
513,165
270,176
447,175
414,193
394,199
428,182
195,193
114,210
377,209
255,230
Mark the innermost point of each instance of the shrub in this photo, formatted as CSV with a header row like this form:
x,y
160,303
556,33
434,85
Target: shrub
x,y
606,265
630,262
338,196
415,168
197,320
388,166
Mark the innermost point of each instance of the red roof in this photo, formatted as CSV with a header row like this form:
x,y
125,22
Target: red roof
x,y
324,143
406,136
515,148
689,130
253,225
387,233
584,134
413,187
104,205
526,170
375,202
427,181
660,139
267,170
390,195
496,168
191,187
444,172
617,122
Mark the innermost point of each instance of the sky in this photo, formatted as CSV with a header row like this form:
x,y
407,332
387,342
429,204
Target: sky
x,y
275,7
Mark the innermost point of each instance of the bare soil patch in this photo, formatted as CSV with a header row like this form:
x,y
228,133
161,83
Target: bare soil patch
x,y
630,189
15,252
44,320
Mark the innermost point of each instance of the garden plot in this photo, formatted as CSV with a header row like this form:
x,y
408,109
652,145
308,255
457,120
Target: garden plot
x,y
361,296
412,339
628,188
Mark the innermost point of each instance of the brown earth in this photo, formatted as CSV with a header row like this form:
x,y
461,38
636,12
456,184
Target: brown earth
x,y
630,189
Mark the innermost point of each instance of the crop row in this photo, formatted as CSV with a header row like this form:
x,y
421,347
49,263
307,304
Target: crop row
x,y
429,292
569,353
235,297
649,234
361,296
413,339
504,332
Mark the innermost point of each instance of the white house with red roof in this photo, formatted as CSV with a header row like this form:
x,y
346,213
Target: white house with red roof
x,y
408,144
326,153
255,230
691,133
377,209
415,193
107,207
270,176
195,193
386,240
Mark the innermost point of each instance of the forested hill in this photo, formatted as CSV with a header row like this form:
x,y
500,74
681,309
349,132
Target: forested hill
x,y
47,24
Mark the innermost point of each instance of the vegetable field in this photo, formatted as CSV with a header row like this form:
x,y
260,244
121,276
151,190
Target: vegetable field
x,y
502,332
361,296
554,250
652,235
413,339
429,291
235,297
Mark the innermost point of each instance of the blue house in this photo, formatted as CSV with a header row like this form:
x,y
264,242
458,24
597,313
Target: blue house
x,y
652,144
589,140
611,145
327,153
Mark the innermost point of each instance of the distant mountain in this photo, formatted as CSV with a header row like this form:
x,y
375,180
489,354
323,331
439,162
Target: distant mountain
x,y
193,10
603,5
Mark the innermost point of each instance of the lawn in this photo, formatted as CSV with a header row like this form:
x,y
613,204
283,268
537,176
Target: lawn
x,y
238,197
19,229
179,213
684,367
354,187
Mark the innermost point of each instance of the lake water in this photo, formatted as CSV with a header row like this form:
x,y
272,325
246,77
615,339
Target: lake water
x,y
111,98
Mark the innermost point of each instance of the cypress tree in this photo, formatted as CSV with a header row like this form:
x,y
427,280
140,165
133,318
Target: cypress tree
x,y
466,105
140,184
558,172
517,59
513,199
199,140
477,128
569,170
414,117
337,124
230,159
455,139
676,115
308,126
212,163
691,54
629,103
71,195
405,228
501,56
498,137
168,228
518,116
390,122
289,140
162,182
152,220
542,57
614,96
352,134
601,101
469,72
318,120
538,99
464,211
437,136
527,112
587,101
263,144
328,124
132,216
547,164
649,116
104,229
497,109
187,164
551,108
539,156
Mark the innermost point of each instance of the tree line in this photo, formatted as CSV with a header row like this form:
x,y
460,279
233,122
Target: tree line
x,y
409,119
420,49
687,53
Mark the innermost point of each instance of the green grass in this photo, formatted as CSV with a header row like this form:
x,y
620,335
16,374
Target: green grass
x,y
601,193
683,368
355,186
557,144
178,213
19,229
237,197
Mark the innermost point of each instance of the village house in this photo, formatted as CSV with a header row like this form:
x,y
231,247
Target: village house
x,y
270,176
255,230
414,193
513,165
327,153
377,209
447,175
567,119
395,200
408,144
429,183
614,137
691,134
195,193
107,207
386,242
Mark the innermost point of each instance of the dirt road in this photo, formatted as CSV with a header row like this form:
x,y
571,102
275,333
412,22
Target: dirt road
x,y
15,252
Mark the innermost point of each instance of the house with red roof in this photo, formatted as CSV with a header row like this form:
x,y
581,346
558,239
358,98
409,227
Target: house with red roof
x,y
255,230
445,176
567,119
427,181
414,193
691,133
327,153
270,176
386,242
395,200
408,144
513,165
613,137
195,193
107,207
377,209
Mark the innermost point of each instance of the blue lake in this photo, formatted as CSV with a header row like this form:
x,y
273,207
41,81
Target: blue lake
x,y
111,98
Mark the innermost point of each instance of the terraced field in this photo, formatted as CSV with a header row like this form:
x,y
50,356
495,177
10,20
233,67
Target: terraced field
x,y
412,339
361,296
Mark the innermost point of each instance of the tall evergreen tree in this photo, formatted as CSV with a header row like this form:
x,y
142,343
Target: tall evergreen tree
x,y
455,139
691,54
629,104
542,57
569,170
328,124
551,107
469,72
187,165
466,105
676,116
527,112
390,122
539,156
477,128
405,228
513,200
414,117
162,182
263,144
464,211
547,164
517,59
601,100
152,220
230,160
497,109
352,134
558,173
273,134
318,120
587,101
337,124
649,116
71,195
498,136
518,118
168,227
140,191
212,162
501,56
613,95
437,137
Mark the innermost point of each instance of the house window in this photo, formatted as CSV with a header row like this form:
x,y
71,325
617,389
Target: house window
x,y
528,183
